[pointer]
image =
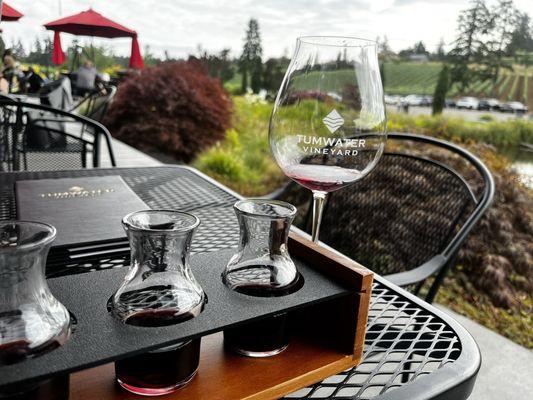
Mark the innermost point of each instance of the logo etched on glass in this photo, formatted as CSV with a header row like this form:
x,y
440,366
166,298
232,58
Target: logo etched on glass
x,y
333,121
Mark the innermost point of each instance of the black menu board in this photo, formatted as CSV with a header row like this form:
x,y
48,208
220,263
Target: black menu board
x,y
83,210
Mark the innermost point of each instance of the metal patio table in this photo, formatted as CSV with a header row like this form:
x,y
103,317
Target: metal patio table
x,y
412,350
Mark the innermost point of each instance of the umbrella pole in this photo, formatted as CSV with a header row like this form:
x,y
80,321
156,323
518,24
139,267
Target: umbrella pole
x,y
93,51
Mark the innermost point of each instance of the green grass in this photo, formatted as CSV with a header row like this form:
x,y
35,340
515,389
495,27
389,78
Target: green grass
x,y
511,94
525,94
498,133
503,85
243,160
411,78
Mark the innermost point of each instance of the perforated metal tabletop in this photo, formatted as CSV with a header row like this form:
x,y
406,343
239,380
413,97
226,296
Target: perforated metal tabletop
x,y
412,350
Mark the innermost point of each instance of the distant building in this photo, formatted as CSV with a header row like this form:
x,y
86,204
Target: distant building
x,y
419,57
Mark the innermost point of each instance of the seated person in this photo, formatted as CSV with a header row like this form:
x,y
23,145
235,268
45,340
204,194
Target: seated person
x,y
86,78
4,85
11,71
33,81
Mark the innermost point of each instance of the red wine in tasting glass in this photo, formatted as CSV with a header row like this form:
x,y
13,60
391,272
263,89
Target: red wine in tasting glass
x,y
268,336
323,178
160,371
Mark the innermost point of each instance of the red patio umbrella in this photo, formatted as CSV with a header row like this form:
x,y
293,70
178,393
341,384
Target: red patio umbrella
x,y
58,57
91,23
9,13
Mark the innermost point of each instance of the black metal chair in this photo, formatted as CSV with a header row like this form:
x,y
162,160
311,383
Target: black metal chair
x,y
36,137
408,218
96,104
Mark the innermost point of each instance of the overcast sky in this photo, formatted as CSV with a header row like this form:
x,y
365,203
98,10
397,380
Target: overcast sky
x,y
179,26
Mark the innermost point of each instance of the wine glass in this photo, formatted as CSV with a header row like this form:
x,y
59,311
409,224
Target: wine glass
x,y
328,125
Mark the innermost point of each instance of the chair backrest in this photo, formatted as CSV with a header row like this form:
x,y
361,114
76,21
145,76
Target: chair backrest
x,y
39,137
414,205
96,105
57,94
402,214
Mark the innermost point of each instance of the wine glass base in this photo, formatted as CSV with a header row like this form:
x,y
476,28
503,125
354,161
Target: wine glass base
x,y
156,391
259,354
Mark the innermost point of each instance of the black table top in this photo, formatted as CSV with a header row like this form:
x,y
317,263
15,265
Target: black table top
x,y
412,350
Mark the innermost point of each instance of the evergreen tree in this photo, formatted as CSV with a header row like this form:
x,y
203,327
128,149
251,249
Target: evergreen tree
x,y
522,37
18,50
440,53
273,73
37,46
443,84
255,79
420,48
216,65
250,61
473,26
384,48
244,77
503,23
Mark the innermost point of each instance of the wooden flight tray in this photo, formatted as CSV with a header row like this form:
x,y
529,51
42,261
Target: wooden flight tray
x,y
329,314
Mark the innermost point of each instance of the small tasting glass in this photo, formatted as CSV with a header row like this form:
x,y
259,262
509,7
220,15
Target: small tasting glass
x,y
262,267
159,290
32,320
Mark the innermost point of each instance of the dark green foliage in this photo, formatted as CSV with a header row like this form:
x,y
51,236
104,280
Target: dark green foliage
x,y
418,48
473,25
256,78
2,45
503,23
216,65
250,61
41,52
522,36
244,79
443,84
440,54
273,73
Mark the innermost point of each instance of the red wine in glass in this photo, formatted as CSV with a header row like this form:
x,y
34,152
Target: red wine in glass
x,y
324,178
269,336
56,388
160,371
263,338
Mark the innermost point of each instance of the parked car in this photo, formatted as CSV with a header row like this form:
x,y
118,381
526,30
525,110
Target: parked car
x,y
506,107
494,104
427,101
517,107
449,103
392,99
483,104
469,103
413,100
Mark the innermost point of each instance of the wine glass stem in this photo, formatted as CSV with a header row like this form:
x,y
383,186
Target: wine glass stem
x,y
319,199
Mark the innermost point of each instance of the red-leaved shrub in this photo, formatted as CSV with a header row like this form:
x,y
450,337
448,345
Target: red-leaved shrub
x,y
174,108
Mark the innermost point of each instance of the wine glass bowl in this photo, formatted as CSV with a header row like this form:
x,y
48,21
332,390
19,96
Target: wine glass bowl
x,y
328,125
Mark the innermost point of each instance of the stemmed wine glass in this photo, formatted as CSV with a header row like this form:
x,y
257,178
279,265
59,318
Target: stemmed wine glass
x,y
328,126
